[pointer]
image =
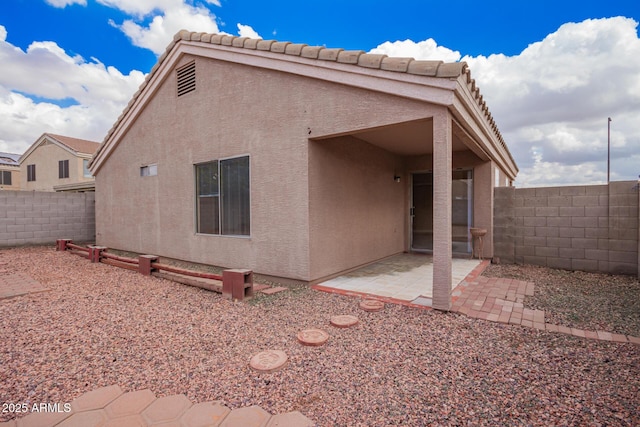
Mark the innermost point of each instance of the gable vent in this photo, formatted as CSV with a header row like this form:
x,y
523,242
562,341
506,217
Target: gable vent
x,y
186,78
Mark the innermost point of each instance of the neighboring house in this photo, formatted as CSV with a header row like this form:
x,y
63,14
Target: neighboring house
x,y
9,171
58,163
299,162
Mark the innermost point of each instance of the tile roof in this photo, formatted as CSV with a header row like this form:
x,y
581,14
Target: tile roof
x,y
78,145
9,159
438,69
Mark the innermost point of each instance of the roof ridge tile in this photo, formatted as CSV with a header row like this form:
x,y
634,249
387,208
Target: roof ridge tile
x,y
397,64
265,44
311,52
239,41
349,56
371,60
408,65
279,47
451,69
329,54
294,49
424,68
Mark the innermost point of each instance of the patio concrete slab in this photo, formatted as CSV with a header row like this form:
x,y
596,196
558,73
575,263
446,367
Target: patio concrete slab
x,y
404,277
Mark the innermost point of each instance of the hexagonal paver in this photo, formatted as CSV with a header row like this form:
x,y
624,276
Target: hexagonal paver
x,y
94,418
129,421
206,414
168,408
250,416
131,403
43,419
96,399
290,419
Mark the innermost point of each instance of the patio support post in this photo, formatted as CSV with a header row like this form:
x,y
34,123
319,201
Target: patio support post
x,y
442,146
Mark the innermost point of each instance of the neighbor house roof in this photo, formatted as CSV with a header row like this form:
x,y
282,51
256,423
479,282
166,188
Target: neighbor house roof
x,y
296,58
9,159
80,146
76,146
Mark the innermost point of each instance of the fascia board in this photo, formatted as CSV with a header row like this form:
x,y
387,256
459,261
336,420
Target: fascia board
x,y
31,148
435,90
133,109
468,110
422,88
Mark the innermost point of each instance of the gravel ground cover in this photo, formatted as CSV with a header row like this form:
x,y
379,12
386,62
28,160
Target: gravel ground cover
x,y
590,301
101,325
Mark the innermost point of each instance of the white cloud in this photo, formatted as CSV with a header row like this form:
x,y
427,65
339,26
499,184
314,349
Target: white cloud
x,y
28,102
551,102
427,49
247,31
64,3
141,8
167,18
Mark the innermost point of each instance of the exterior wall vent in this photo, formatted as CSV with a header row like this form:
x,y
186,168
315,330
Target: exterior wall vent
x,y
186,76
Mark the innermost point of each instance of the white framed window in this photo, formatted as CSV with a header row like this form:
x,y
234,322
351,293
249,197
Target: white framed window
x,y
223,197
149,170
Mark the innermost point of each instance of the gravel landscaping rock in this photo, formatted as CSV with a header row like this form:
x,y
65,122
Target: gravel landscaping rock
x,y
101,325
577,299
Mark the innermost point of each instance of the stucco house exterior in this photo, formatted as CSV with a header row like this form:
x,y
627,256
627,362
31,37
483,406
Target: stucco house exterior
x,y
9,171
298,161
58,163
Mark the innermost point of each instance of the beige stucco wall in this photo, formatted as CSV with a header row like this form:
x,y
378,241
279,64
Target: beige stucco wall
x,y
46,157
15,178
356,208
239,110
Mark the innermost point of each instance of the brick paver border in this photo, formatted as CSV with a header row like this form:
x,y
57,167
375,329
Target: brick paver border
x,y
501,300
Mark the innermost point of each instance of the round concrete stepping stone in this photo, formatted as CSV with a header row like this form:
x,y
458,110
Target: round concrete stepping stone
x,y
371,305
269,360
313,337
344,321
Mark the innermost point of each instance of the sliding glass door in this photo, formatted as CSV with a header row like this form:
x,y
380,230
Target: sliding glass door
x,y
461,211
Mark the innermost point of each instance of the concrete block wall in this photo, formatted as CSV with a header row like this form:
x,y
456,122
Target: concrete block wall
x,y
30,217
589,228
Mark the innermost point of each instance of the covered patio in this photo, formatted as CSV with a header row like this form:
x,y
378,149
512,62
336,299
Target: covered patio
x,y
444,174
406,278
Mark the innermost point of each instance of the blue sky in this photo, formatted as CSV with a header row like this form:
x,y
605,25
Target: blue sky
x,y
551,71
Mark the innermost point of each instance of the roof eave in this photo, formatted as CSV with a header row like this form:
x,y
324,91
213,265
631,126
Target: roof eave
x,y
436,90
447,84
470,107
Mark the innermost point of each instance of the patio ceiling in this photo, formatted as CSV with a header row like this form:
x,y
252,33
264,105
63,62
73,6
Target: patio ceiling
x,y
413,138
